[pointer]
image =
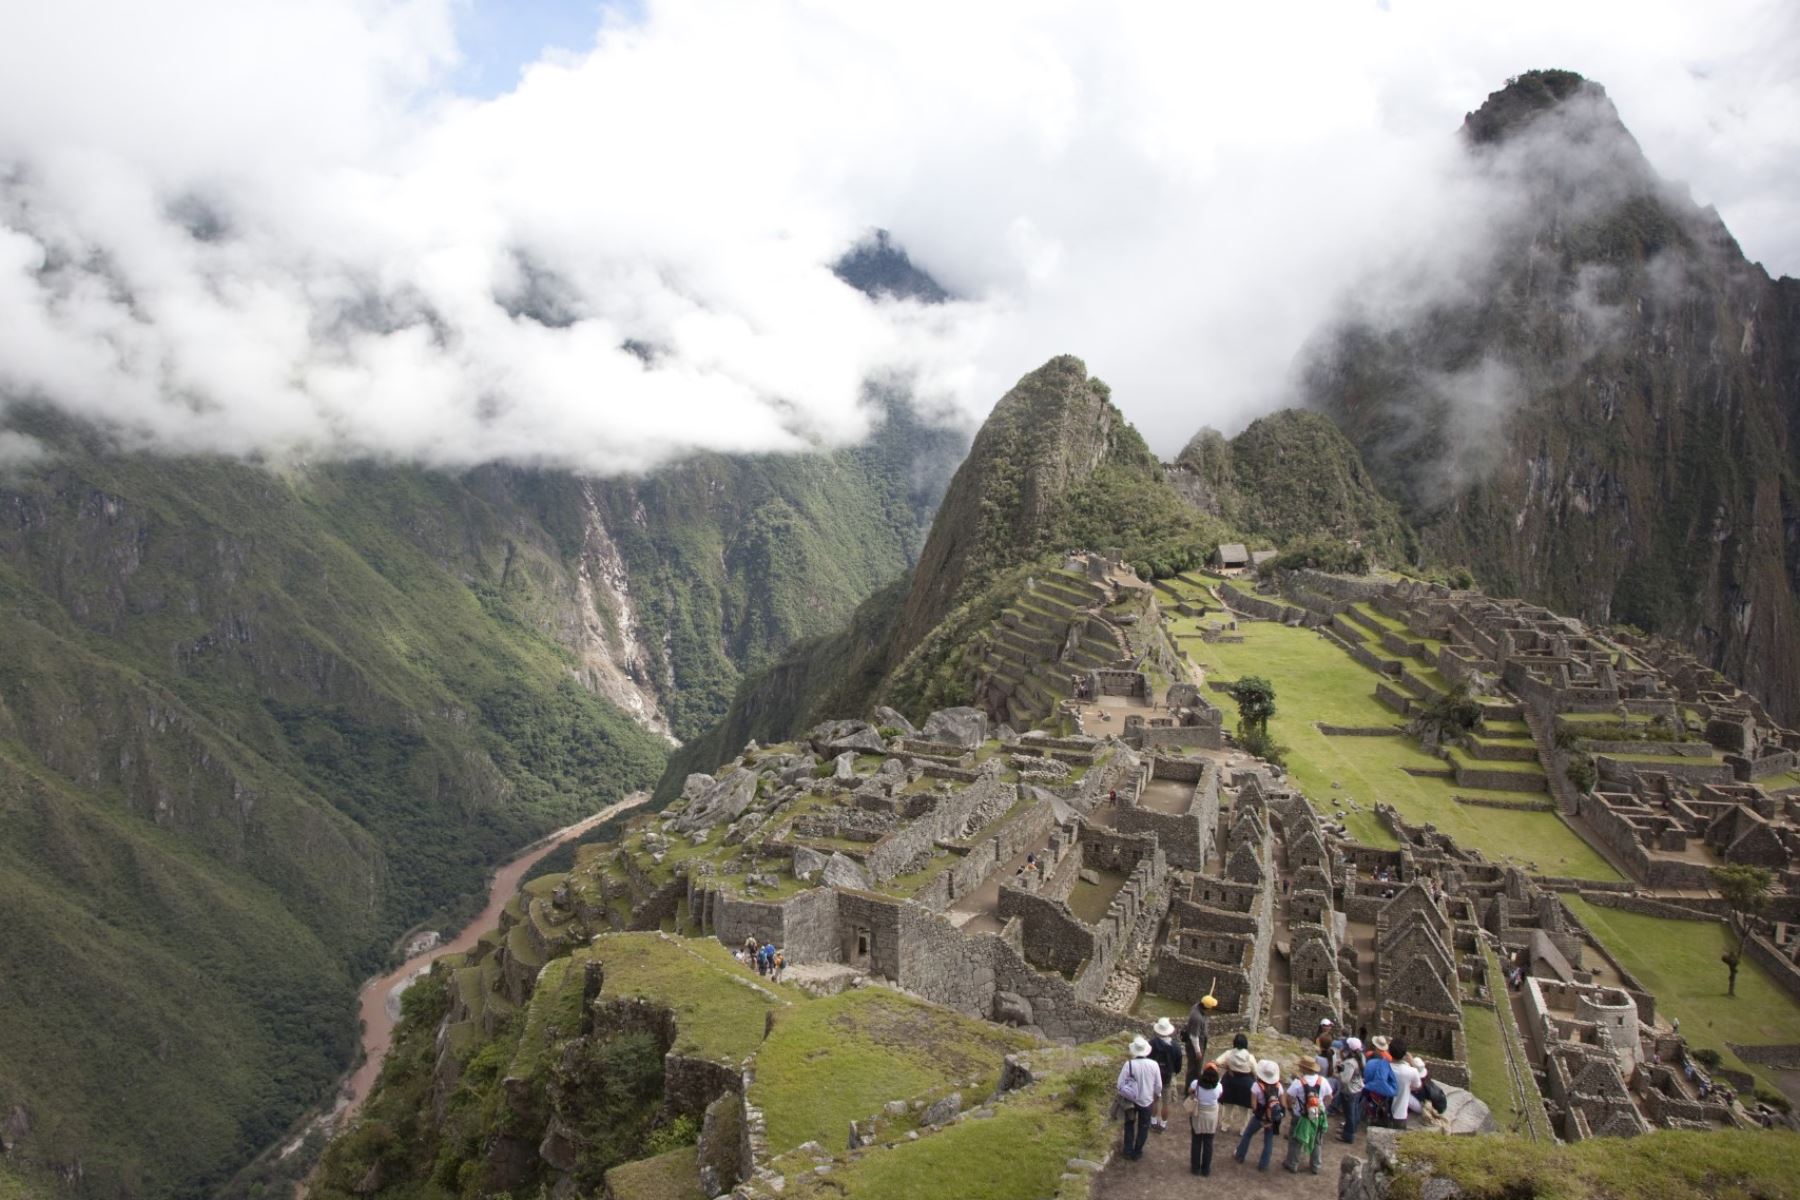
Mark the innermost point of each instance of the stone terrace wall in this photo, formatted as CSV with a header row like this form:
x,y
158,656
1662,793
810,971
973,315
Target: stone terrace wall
x,y
1778,965
1054,938
894,853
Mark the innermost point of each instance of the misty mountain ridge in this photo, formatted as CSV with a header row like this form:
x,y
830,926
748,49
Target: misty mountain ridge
x,y
1603,419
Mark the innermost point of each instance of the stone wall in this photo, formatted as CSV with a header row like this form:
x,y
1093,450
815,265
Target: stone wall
x,y
1054,938
1783,969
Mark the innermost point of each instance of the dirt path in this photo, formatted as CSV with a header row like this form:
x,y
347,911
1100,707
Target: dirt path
x,y
1163,1171
379,1015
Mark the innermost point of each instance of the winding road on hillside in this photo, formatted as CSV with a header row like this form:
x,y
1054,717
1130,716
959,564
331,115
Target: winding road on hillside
x,y
377,1002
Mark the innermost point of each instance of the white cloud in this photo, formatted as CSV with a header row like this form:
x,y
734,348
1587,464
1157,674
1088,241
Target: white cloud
x,y
267,227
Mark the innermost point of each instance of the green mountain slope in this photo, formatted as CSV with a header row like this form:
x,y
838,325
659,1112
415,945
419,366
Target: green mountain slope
x,y
1605,420
1289,475
254,724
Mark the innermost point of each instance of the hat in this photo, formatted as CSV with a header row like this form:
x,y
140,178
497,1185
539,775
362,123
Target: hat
x,y
1324,1022
1379,1042
1353,1044
1163,1027
1418,1064
1139,1047
1208,1001
1306,1064
1267,1071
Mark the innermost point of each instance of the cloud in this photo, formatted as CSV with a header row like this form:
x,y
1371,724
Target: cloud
x,y
261,228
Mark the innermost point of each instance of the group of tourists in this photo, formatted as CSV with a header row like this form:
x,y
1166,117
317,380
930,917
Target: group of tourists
x,y
766,957
1359,1080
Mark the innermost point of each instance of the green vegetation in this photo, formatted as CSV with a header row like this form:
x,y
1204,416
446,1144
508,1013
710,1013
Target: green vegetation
x,y
1019,1153
1746,890
1678,961
1321,553
1667,1165
1255,700
671,1176
1293,478
1320,683
839,1059
1488,1077
719,1014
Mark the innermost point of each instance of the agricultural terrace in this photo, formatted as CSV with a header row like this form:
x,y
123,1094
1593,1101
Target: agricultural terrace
x,y
1316,681
1678,961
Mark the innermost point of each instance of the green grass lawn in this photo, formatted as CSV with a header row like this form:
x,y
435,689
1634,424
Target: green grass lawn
x,y
1678,961
829,1062
1487,1064
1316,681
1666,1165
719,1017
1019,1153
671,1176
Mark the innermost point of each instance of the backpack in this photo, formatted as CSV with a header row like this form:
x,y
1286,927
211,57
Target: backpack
x,y
1312,1102
1271,1109
1436,1095
1378,1077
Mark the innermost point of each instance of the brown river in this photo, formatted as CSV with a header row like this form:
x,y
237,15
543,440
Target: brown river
x,y
378,1001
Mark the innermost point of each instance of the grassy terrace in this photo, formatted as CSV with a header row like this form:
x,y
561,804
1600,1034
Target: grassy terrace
x,y
828,1062
1019,1153
1487,1064
1668,1165
1316,681
720,1016
1678,961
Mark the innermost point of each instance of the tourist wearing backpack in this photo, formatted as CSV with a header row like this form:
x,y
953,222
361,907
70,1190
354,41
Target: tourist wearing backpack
x,y
1203,1119
1166,1052
1350,1085
1266,1111
1309,1096
1378,1083
1140,1084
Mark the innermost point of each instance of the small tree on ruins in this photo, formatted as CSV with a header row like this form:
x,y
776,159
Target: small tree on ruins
x,y
1255,698
1746,890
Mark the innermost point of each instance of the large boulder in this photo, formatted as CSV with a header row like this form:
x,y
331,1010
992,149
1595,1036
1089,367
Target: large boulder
x,y
965,727
821,736
943,1111
887,718
844,872
1465,1114
718,801
863,741
1010,1008
808,862
843,768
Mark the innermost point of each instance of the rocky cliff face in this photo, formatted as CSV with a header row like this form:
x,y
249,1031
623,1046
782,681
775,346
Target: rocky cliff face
x,y
1603,420
1051,432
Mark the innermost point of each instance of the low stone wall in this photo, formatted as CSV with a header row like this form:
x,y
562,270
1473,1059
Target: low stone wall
x,y
1199,737
1652,908
1691,770
1252,605
1357,730
1394,698
1780,967
1663,749
1513,805
1497,781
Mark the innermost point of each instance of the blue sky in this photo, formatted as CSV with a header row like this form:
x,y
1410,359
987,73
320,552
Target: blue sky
x,y
499,38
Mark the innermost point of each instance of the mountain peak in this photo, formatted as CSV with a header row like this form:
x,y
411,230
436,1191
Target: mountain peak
x,y
877,266
1527,97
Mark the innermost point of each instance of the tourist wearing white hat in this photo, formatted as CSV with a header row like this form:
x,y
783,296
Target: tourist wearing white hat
x,y
1139,1086
1350,1085
1166,1053
1267,1107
